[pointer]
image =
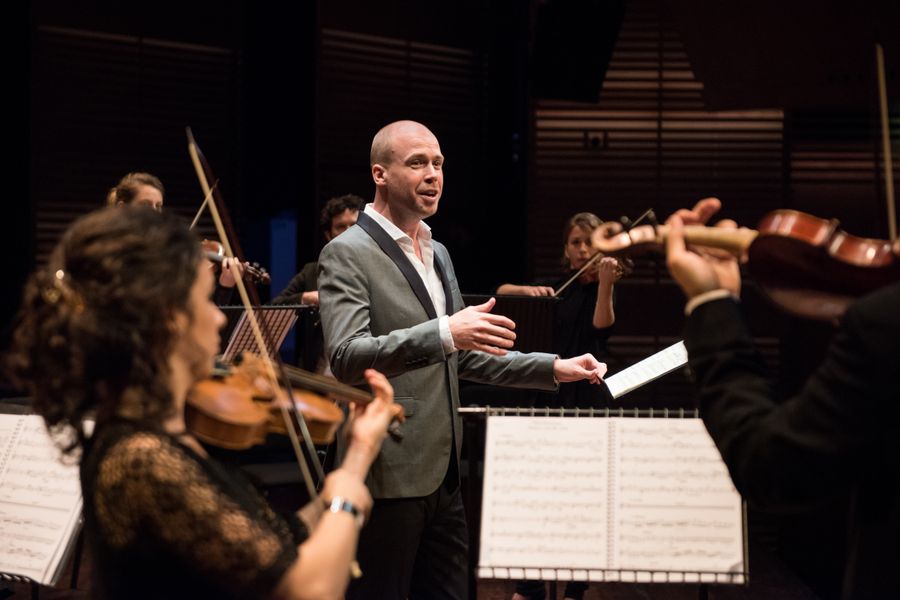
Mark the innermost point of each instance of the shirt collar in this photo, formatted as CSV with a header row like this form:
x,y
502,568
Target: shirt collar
x,y
392,230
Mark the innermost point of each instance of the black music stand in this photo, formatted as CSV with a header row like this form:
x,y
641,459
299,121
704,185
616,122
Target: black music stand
x,y
534,317
275,322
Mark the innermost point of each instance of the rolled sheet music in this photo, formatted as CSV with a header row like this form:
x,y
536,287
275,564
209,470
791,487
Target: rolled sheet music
x,y
647,370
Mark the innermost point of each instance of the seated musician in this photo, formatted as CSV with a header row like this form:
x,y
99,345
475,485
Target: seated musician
x,y
164,520
585,314
338,215
144,189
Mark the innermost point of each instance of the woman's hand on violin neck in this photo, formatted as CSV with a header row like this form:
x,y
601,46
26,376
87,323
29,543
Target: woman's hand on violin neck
x,y
231,270
608,271
699,270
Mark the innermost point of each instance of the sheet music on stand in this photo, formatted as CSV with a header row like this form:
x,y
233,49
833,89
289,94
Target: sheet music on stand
x,y
40,502
276,320
644,371
609,499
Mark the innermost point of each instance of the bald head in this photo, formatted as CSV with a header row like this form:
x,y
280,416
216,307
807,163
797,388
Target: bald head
x,y
383,143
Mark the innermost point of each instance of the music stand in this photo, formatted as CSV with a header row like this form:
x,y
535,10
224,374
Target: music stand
x,y
277,321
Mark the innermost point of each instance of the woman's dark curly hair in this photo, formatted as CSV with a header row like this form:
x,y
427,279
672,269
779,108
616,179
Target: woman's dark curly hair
x,y
93,336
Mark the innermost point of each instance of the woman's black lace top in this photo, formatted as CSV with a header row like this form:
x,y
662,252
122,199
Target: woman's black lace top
x,y
166,522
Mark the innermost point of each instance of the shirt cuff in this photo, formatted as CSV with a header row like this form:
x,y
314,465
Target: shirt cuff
x,y
446,336
705,297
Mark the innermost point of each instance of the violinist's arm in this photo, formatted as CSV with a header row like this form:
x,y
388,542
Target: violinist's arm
x,y
300,289
604,314
510,289
323,566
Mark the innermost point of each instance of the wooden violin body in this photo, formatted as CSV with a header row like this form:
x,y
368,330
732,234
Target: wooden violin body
x,y
812,268
237,409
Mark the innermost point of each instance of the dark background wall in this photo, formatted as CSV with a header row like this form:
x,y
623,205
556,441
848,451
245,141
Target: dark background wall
x,y
543,109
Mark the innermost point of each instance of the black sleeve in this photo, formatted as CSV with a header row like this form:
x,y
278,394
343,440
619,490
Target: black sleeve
x,y
303,281
801,452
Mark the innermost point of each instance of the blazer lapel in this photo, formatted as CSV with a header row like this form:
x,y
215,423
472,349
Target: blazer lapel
x,y
395,253
442,271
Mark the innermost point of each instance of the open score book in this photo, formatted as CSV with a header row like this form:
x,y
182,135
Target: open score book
x,y
40,501
608,499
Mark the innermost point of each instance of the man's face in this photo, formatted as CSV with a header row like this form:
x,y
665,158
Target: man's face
x,y
414,178
341,223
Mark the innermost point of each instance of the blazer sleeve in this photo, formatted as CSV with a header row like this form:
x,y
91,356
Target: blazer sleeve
x,y
798,453
532,370
345,288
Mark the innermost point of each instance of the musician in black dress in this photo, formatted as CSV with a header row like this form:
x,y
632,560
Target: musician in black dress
x,y
585,314
117,328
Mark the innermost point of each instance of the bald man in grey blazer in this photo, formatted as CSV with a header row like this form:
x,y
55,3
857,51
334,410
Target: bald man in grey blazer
x,y
390,300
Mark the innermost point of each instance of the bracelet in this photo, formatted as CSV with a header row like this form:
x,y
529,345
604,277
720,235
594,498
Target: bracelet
x,y
341,504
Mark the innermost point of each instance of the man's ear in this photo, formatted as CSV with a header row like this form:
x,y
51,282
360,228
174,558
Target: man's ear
x,y
378,173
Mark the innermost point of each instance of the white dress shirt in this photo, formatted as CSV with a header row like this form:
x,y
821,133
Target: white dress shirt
x,y
425,269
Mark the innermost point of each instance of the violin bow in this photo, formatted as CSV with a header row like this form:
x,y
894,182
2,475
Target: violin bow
x,y
205,201
204,174
886,144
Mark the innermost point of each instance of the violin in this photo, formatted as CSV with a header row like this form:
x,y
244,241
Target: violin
x,y
806,265
624,266
215,252
236,408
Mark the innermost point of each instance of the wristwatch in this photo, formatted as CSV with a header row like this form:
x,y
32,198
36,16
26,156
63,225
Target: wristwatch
x,y
341,504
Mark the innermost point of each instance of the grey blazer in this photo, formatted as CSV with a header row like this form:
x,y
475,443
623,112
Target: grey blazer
x,y
376,313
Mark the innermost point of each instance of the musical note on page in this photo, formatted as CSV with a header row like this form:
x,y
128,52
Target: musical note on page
x,y
647,370
597,498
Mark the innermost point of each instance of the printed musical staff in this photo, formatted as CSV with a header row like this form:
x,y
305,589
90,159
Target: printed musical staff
x,y
593,498
40,500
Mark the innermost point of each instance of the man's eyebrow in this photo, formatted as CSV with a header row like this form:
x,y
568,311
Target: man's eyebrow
x,y
423,156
